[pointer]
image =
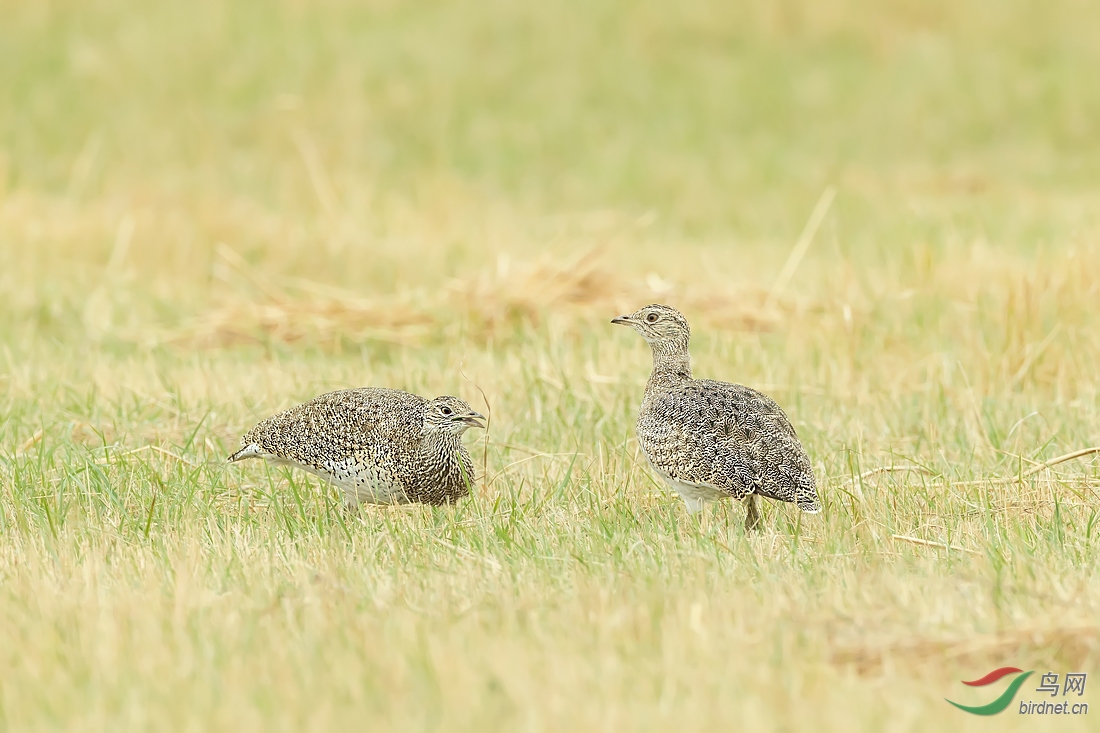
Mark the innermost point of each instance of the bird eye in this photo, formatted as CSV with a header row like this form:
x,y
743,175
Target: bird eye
x,y
446,411
651,318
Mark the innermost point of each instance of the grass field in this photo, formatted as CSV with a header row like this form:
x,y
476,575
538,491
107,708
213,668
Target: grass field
x,y
211,211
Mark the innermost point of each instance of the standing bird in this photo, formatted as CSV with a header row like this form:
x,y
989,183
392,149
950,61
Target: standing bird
x,y
380,446
712,440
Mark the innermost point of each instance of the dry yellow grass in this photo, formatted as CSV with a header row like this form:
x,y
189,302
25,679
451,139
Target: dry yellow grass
x,y
213,211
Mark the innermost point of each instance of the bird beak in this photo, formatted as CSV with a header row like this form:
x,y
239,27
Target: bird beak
x,y
473,419
621,320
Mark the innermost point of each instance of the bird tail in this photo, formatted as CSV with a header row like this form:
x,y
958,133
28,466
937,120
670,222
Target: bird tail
x,y
249,451
810,505
806,496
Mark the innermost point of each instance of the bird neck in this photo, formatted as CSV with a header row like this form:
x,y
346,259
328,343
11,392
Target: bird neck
x,y
671,364
441,444
448,463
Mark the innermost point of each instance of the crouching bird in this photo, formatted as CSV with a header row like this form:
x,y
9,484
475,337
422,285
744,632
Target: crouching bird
x,y
379,446
714,440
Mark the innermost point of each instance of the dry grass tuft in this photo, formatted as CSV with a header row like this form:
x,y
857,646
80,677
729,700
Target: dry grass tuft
x,y
1053,646
255,308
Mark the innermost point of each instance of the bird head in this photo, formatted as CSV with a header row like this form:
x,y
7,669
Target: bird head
x,y
660,325
451,415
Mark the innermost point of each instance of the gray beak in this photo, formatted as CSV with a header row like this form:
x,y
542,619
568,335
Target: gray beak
x,y
473,419
621,320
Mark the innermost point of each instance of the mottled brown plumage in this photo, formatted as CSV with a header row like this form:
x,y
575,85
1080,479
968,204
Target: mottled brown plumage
x,y
380,446
712,440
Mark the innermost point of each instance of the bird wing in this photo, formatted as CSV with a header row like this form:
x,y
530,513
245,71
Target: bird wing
x,y
727,436
336,425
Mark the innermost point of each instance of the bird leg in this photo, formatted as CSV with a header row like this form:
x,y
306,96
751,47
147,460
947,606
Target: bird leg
x,y
693,505
752,518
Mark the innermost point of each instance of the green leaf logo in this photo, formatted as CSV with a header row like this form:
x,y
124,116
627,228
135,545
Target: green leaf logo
x,y
1001,702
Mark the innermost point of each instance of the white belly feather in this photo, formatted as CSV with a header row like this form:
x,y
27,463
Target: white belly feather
x,y
359,486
